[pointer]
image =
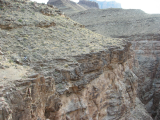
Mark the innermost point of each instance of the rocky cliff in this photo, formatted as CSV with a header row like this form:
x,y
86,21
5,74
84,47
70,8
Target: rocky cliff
x,y
88,4
143,32
53,68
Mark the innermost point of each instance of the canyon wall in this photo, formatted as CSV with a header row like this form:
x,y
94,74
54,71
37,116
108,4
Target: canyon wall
x,y
147,49
53,68
102,86
143,32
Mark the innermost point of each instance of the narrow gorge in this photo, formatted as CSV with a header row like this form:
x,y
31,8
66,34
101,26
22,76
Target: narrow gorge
x,y
78,65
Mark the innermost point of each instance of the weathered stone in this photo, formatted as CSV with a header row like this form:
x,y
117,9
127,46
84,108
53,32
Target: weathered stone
x,y
1,53
33,75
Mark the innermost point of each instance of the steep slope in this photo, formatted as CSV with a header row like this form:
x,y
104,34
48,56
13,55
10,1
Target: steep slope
x,y
53,68
118,22
144,32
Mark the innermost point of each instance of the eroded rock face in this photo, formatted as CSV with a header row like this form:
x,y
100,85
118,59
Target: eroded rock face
x,y
103,87
143,32
147,53
104,98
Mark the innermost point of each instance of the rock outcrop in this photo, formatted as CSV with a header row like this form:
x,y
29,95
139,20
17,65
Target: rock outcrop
x,y
143,32
88,4
101,86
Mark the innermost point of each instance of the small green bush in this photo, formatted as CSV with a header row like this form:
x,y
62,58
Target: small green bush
x,y
23,10
20,20
32,3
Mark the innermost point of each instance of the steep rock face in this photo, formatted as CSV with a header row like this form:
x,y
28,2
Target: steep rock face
x,y
143,31
95,91
147,49
88,4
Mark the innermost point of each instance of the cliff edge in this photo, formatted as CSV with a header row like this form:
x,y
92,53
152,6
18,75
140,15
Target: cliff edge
x,y
142,30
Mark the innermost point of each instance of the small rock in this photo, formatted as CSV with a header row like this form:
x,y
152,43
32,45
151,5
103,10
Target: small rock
x,y
1,94
18,62
6,66
33,75
1,67
1,53
20,39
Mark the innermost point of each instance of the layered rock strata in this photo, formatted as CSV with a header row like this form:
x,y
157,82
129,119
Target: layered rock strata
x,y
102,86
143,32
148,56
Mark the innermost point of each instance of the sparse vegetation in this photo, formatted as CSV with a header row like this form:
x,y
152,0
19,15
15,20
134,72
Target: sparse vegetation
x,y
23,10
1,7
34,37
20,20
32,3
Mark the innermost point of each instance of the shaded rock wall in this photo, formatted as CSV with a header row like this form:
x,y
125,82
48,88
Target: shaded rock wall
x,y
147,50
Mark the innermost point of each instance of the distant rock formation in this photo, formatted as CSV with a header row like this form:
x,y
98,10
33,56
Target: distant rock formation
x,y
88,4
66,6
107,4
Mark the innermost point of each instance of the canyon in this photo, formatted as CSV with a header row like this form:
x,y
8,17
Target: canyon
x,y
78,65
140,29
